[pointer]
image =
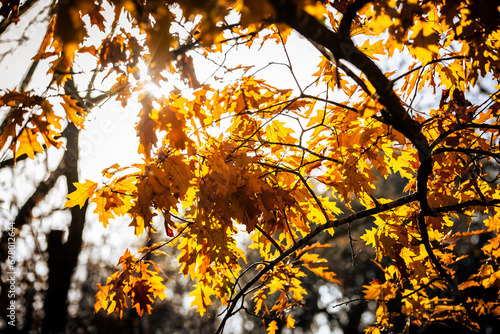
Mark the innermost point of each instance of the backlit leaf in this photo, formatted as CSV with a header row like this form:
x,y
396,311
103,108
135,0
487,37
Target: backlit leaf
x,y
83,192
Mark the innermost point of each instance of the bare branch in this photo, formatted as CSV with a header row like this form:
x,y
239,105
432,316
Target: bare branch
x,y
43,188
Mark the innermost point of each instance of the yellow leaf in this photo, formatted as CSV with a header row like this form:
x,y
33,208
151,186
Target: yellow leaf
x,y
372,330
425,41
375,48
81,194
319,267
102,298
277,132
157,287
104,214
75,113
27,143
370,237
273,327
493,223
260,298
318,10
370,108
202,299
468,284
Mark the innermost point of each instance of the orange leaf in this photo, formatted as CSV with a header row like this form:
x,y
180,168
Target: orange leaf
x,y
28,143
76,114
273,327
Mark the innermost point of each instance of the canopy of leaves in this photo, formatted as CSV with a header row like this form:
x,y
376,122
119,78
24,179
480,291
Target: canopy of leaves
x,y
241,157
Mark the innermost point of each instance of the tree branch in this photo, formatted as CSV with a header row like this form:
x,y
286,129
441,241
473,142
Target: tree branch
x,y
305,241
429,63
43,188
466,151
268,237
342,47
22,9
349,15
460,206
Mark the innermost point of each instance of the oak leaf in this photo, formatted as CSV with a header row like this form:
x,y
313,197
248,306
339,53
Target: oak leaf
x,y
83,192
272,327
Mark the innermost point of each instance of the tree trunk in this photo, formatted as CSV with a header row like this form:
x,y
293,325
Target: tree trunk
x,y
63,258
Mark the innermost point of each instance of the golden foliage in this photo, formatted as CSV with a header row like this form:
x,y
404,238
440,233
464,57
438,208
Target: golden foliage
x,y
244,157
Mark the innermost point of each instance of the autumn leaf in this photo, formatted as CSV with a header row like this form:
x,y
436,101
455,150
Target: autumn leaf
x,y
74,111
27,143
272,327
319,267
201,299
83,192
277,132
371,50
96,18
140,298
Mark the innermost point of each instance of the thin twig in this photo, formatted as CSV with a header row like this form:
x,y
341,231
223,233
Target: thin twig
x,y
305,241
268,237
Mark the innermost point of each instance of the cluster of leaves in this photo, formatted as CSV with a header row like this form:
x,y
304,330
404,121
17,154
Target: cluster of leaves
x,y
135,282
242,160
